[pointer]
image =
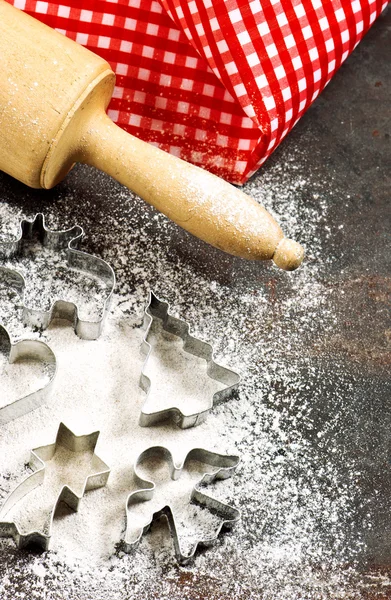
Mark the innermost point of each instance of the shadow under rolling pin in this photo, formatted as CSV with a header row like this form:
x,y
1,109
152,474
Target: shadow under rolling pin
x,y
53,98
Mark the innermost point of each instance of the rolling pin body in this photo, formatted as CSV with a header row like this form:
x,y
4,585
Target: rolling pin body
x,y
53,98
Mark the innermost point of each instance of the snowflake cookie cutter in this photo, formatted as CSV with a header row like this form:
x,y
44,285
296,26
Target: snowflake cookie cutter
x,y
39,456
158,309
68,240
224,467
27,349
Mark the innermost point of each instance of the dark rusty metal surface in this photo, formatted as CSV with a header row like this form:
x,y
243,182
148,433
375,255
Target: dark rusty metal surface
x,y
344,139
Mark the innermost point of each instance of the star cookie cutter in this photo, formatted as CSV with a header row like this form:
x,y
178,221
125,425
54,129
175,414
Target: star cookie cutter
x,y
27,349
68,240
39,456
158,309
225,467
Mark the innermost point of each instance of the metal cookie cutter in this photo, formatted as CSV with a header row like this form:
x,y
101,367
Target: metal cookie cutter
x,y
97,478
69,241
26,349
224,468
158,309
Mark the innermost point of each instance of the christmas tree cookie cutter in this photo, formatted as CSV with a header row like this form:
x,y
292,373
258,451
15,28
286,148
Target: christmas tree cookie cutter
x,y
22,350
223,468
69,241
39,456
158,309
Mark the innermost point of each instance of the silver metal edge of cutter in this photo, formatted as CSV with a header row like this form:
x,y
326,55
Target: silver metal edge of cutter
x,y
65,437
159,309
33,349
69,239
225,467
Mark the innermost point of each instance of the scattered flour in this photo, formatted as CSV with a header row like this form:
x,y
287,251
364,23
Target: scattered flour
x,y
297,503
20,378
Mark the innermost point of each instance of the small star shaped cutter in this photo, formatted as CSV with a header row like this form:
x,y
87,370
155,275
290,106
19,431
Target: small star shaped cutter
x,y
158,309
96,479
223,468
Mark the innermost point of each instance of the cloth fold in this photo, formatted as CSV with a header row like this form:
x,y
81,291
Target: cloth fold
x,y
219,83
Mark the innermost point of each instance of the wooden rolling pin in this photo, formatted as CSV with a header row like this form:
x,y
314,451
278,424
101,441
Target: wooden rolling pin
x,y
53,98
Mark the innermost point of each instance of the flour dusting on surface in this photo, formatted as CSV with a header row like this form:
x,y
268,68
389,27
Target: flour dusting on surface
x,y
297,501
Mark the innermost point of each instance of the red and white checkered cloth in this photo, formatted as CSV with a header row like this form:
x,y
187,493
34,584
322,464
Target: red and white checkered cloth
x,y
218,83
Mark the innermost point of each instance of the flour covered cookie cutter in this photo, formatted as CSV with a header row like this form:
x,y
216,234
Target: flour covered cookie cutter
x,y
22,350
39,456
94,267
158,309
223,468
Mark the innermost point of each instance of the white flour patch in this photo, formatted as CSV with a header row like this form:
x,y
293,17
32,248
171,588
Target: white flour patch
x,y
296,502
20,378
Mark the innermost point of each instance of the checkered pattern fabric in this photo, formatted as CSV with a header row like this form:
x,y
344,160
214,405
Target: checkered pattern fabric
x,y
218,83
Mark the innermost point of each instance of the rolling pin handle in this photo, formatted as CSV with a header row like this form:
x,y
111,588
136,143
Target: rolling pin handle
x,y
288,255
198,201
